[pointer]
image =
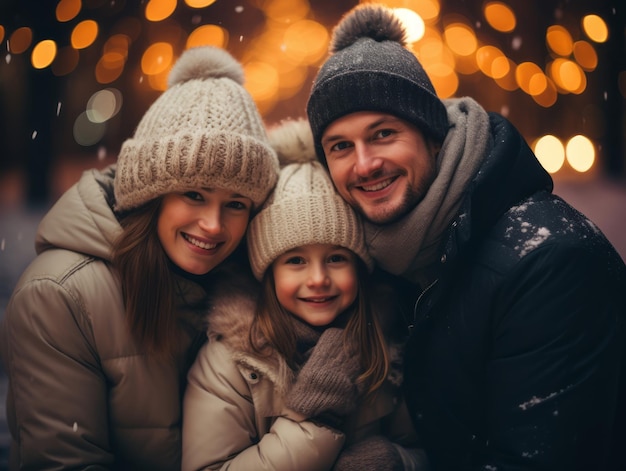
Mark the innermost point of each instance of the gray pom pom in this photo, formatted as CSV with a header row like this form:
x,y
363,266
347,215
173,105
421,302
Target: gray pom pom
x,y
205,62
368,20
293,141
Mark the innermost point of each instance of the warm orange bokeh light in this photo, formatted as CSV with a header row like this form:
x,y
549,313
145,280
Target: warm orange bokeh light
x,y
595,28
461,39
262,82
110,67
548,97
43,54
67,10
1,33
568,76
84,34
208,35
530,78
585,55
199,3
492,62
559,40
500,16
286,11
20,40
305,42
158,10
157,58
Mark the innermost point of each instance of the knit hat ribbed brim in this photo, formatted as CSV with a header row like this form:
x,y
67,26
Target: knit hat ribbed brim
x,y
204,131
303,209
370,69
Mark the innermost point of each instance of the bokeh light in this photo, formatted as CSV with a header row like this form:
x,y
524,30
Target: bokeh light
x,y
595,28
208,35
550,153
84,34
43,54
20,40
580,153
158,10
199,3
412,22
86,132
559,40
157,58
103,105
500,16
67,10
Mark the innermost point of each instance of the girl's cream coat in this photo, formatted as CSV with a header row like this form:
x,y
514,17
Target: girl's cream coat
x,y
234,415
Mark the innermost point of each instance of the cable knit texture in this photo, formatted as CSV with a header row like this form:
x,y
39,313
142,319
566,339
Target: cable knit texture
x,y
204,131
304,207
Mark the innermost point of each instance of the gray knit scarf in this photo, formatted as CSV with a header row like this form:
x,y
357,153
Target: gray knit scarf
x,y
408,247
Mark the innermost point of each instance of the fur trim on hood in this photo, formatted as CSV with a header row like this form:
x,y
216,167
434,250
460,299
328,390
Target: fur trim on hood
x,y
230,319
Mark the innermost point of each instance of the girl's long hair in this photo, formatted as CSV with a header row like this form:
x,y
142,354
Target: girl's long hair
x,y
274,325
147,280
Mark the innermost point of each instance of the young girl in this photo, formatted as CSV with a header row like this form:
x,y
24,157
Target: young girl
x,y
104,324
302,371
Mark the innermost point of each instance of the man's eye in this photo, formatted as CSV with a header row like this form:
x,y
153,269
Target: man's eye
x,y
340,146
383,133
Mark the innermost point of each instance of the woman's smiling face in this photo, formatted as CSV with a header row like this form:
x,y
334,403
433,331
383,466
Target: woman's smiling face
x,y
200,228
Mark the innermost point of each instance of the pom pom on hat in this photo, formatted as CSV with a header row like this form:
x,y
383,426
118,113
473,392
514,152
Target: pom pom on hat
x,y
371,70
204,131
304,207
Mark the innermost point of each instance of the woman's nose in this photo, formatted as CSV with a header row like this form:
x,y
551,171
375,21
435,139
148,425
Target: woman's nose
x,y
211,221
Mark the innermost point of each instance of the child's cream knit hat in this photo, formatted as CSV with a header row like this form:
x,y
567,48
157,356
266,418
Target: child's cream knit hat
x,y
304,207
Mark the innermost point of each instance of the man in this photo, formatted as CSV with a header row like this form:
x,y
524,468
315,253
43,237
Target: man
x,y
516,346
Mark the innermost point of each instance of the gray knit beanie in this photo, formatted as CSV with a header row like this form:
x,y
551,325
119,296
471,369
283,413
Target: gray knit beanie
x,y
204,131
371,70
304,207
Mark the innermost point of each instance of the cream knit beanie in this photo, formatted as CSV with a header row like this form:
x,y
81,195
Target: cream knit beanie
x,y
204,131
304,207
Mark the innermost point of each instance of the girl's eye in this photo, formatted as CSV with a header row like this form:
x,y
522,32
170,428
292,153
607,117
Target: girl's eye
x,y
294,261
193,195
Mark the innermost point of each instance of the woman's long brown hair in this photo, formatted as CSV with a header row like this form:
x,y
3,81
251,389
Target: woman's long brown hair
x,y
147,280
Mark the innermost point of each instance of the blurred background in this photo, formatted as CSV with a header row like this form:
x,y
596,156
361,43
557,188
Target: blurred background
x,y
77,75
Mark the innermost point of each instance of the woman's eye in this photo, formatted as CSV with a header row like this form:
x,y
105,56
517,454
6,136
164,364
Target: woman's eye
x,y
336,258
193,195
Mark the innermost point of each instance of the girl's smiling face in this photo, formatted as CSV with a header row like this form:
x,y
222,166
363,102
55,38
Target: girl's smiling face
x,y
316,282
200,228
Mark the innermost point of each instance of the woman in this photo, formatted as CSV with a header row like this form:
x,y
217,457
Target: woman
x,y
103,325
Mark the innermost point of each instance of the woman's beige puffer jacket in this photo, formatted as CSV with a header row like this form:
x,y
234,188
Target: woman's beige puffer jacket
x,y
82,395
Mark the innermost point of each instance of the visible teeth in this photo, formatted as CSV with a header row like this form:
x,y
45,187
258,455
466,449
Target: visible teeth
x,y
318,300
199,243
377,186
